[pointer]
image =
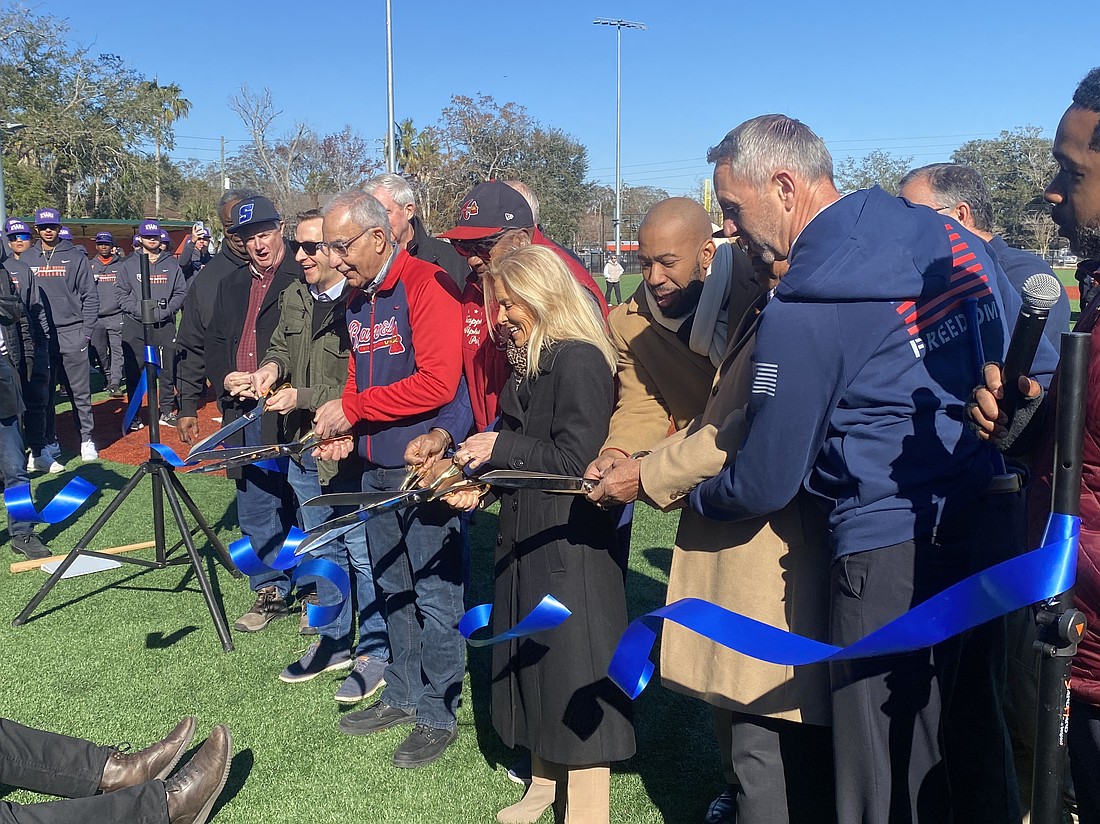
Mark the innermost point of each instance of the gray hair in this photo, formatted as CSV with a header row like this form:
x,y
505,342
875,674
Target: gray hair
x,y
953,183
758,147
397,187
235,196
364,211
528,195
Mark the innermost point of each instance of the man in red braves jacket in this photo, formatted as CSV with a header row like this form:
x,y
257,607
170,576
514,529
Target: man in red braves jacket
x,y
405,368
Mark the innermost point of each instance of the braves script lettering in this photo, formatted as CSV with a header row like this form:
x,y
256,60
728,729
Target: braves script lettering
x,y
386,335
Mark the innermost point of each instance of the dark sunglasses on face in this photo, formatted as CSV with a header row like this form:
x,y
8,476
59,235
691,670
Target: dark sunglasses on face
x,y
481,247
310,247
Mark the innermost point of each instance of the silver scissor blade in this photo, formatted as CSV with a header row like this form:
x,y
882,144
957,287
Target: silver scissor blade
x,y
227,430
350,499
516,479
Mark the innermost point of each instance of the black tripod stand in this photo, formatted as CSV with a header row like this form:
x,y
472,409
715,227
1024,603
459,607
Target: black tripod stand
x,y
165,485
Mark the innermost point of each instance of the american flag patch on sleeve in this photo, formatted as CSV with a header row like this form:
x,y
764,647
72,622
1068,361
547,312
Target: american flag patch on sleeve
x,y
765,377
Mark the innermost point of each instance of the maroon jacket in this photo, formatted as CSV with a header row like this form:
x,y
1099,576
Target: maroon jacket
x,y
1085,681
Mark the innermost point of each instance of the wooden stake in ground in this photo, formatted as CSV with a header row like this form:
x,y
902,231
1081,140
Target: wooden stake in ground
x,y
27,566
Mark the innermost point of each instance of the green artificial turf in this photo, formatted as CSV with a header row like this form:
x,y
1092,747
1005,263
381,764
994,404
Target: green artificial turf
x,y
122,655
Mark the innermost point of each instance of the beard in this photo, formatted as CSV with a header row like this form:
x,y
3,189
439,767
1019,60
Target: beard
x,y
687,299
1084,240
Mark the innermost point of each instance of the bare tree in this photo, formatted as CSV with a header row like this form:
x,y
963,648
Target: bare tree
x,y
277,160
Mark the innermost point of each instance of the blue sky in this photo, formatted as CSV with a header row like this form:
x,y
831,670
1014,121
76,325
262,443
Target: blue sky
x,y
914,79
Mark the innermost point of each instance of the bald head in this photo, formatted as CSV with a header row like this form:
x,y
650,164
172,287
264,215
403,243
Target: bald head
x,y
675,249
681,215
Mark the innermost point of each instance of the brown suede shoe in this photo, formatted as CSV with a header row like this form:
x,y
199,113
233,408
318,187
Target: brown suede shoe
x,y
155,761
267,607
194,789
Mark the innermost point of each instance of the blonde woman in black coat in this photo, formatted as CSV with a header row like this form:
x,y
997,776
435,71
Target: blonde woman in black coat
x,y
550,691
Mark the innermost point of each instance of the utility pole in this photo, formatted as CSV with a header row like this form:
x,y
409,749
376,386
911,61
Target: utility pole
x,y
391,155
223,185
619,26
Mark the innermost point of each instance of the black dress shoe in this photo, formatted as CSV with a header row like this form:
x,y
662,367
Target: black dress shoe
x,y
375,718
155,761
194,789
423,746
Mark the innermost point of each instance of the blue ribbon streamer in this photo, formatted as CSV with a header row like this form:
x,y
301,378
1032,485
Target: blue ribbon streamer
x,y
1019,582
547,614
72,496
248,562
140,390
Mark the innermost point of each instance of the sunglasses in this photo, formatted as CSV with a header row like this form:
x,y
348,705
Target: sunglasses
x,y
480,247
310,247
19,237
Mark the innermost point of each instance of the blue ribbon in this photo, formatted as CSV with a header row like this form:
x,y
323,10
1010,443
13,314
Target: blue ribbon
x,y
140,390
248,562
549,613
1019,582
21,508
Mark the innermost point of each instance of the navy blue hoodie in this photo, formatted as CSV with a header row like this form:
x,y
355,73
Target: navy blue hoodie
x,y
863,364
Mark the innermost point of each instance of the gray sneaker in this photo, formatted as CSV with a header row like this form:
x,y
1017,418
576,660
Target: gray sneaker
x,y
365,678
319,658
30,545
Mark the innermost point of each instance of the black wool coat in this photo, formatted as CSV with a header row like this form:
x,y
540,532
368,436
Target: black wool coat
x,y
223,336
550,691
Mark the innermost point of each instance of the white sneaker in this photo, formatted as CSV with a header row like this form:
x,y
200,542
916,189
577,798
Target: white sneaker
x,y
88,452
30,462
47,463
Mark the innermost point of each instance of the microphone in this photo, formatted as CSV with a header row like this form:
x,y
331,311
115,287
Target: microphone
x,y
1041,291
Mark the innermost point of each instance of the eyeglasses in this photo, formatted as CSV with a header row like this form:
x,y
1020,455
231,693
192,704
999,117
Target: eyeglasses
x,y
338,247
310,247
481,247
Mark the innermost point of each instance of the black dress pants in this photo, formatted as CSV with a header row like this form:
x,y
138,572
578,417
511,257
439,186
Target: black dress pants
x,y
53,764
921,737
780,772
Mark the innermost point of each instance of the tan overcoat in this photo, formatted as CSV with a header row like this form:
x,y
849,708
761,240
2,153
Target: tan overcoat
x,y
662,383
773,569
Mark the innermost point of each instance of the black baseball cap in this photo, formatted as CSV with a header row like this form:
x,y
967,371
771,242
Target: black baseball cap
x,y
253,211
490,208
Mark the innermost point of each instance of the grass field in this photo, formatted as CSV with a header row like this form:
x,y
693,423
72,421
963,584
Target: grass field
x,y
121,655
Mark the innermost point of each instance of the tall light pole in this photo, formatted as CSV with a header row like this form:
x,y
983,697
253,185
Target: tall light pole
x,y
391,155
619,26
5,127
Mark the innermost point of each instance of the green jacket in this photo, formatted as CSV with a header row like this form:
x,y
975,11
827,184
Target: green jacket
x,y
316,364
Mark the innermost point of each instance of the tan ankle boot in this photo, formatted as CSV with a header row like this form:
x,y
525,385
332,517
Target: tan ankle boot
x,y
539,796
588,798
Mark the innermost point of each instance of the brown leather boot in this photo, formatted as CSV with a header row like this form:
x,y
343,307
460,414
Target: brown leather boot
x,y
538,797
194,789
589,795
155,761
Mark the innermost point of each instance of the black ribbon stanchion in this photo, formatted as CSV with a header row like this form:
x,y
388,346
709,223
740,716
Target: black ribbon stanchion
x,y
160,468
1060,626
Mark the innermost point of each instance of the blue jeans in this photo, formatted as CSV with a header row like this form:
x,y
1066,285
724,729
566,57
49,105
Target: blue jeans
x,y
417,559
349,552
13,465
263,515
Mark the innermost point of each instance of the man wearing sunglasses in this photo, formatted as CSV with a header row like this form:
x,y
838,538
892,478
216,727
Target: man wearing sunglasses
x,y
34,368
244,317
73,308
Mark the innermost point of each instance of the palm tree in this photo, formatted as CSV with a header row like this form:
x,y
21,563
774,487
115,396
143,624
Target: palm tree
x,y
168,106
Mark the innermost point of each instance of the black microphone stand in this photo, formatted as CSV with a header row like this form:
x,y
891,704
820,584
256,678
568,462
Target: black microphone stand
x,y
1060,626
166,484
